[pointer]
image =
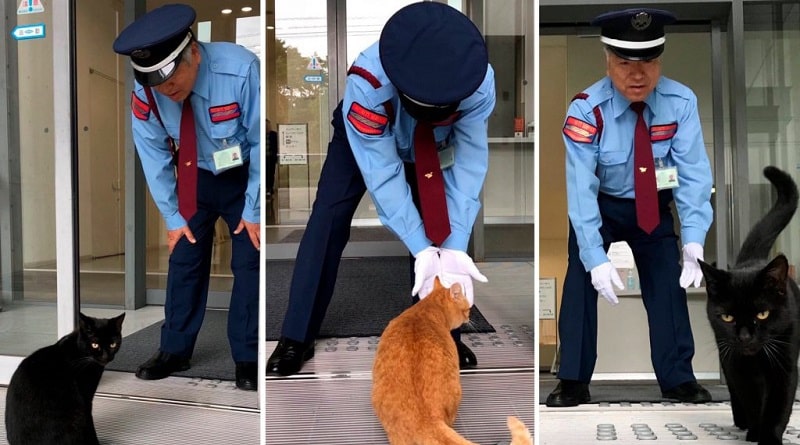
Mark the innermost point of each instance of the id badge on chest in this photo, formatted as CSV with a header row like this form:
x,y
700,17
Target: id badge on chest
x,y
447,157
227,158
666,177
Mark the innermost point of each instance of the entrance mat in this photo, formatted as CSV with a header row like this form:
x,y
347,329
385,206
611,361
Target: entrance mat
x,y
369,293
212,353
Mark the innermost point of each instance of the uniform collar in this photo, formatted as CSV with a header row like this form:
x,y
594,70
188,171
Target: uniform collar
x,y
620,104
201,84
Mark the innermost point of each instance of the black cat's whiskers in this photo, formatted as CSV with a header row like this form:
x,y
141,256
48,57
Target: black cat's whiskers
x,y
775,354
725,350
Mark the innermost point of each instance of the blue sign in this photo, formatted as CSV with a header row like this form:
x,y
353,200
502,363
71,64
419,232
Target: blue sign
x,y
313,78
27,32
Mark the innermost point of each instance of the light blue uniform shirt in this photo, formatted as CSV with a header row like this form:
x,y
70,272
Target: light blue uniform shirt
x,y
228,74
380,157
607,166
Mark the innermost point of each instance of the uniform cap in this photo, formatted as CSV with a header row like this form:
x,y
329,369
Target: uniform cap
x,y
155,42
634,34
433,54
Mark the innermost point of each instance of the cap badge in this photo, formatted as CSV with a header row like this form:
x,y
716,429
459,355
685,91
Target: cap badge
x,y
140,53
641,21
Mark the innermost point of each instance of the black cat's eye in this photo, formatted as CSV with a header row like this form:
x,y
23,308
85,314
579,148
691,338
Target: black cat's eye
x,y
113,345
726,318
95,346
762,315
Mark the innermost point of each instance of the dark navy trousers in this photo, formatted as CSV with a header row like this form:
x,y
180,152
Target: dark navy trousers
x,y
657,257
190,266
341,187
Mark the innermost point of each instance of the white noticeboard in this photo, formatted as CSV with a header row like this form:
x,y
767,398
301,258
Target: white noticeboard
x,y
293,144
621,256
547,298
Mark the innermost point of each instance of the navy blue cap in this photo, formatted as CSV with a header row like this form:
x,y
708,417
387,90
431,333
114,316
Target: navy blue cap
x,y
433,54
155,42
634,34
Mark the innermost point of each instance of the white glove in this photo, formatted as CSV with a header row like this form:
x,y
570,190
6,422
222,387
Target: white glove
x,y
426,266
691,273
457,267
602,278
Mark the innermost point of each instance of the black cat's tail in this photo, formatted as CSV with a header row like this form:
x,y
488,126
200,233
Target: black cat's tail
x,y
762,236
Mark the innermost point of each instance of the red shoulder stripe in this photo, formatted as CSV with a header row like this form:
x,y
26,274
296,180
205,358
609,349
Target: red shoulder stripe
x,y
366,121
663,132
140,108
369,77
580,96
578,130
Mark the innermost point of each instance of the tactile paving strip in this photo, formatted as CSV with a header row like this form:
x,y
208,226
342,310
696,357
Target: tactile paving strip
x,y
510,347
632,423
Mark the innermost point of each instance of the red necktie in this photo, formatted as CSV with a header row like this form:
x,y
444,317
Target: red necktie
x,y
644,175
187,163
430,184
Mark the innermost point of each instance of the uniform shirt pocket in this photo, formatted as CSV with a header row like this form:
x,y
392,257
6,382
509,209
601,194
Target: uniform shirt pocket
x,y
227,134
613,170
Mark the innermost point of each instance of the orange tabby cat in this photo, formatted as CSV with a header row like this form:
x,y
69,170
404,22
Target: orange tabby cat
x,y
416,387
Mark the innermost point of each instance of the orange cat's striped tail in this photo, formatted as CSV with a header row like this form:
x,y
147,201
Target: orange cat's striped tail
x,y
445,435
519,433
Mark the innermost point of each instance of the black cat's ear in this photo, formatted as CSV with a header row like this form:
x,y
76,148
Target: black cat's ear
x,y
776,274
118,321
713,277
84,322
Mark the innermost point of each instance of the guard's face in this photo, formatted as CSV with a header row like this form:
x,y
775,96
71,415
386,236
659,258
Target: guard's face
x,y
179,86
634,79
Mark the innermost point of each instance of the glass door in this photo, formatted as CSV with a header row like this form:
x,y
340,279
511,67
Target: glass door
x,y
571,59
34,165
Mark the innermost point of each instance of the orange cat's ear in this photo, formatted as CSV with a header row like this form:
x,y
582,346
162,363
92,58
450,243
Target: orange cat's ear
x,y
437,284
456,292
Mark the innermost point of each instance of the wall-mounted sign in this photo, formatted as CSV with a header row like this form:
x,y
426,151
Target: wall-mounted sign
x,y
30,7
293,144
27,32
547,298
313,78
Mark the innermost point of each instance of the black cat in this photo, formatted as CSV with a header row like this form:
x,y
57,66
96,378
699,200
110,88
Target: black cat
x,y
49,398
753,310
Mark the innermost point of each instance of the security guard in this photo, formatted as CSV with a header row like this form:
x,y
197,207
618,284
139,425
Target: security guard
x,y
634,144
425,88
196,125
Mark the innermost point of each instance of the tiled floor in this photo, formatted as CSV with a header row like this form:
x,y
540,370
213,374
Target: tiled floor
x,y
330,404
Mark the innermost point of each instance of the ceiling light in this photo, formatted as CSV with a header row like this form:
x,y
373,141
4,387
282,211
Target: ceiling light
x,y
247,9
227,11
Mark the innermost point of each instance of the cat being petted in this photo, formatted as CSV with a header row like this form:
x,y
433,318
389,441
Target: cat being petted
x,y
753,311
416,387
49,398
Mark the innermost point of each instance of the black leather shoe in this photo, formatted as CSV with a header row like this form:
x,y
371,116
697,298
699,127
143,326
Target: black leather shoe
x,y
162,365
568,393
246,374
689,392
288,357
466,358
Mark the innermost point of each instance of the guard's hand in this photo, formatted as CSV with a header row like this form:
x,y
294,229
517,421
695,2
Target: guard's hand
x,y
173,236
458,267
603,276
253,230
691,273
426,266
